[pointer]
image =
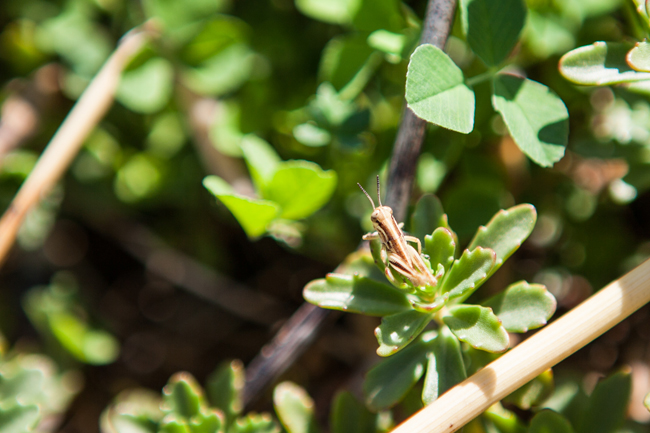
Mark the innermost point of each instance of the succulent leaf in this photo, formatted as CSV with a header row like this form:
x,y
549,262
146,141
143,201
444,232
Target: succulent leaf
x,y
523,306
548,421
350,415
224,389
467,273
294,408
441,247
505,232
356,294
398,330
600,64
388,382
445,368
477,326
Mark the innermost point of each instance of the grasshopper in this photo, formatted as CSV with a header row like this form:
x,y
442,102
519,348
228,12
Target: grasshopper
x,y
396,252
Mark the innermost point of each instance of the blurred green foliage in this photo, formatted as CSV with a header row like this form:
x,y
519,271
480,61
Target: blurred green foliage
x,y
279,108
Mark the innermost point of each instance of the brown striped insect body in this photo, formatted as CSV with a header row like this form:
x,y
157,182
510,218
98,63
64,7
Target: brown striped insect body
x,y
396,252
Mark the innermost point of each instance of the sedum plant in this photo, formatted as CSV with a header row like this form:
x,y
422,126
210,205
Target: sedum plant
x,y
185,407
34,395
407,311
612,63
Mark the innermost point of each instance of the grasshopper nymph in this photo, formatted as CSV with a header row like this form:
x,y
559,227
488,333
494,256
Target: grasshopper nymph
x,y
396,253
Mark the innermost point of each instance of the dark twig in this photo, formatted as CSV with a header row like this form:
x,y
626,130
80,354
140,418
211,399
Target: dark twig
x,y
437,26
296,335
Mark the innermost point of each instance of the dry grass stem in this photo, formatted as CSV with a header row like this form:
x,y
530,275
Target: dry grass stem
x,y
68,139
543,350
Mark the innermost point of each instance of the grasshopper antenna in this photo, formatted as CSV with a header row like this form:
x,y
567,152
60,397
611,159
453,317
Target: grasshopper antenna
x,y
367,195
378,194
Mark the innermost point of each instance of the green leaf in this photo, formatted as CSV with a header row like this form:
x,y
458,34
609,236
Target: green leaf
x,y
207,421
356,294
436,92
175,15
608,404
133,411
147,89
224,389
600,64
300,188
445,369
548,421
646,401
639,57
255,423
253,215
388,382
492,27
523,306
19,419
506,231
295,408
441,247
478,327
398,330
182,396
311,135
427,216
222,73
225,133
502,420
172,424
94,347
214,36
467,273
331,11
370,15
388,42
262,161
534,392
536,117
342,59
350,415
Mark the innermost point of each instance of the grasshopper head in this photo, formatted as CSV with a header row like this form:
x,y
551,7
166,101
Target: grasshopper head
x,y
380,214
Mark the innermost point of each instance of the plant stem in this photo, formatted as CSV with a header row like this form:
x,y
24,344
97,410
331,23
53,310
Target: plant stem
x,y
538,353
437,26
473,81
66,142
295,336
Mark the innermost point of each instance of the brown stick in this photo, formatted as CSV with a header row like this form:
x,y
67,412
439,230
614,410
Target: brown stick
x,y
543,350
437,26
296,335
66,142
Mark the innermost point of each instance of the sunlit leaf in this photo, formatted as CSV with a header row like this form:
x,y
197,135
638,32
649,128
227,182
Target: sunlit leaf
x,y
506,231
523,306
467,273
536,118
600,64
295,408
356,294
436,92
398,330
300,188
253,215
147,89
445,368
477,326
